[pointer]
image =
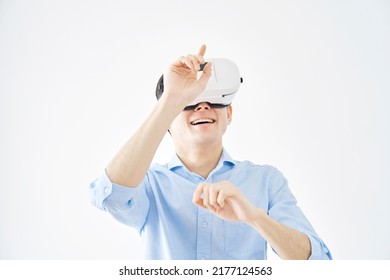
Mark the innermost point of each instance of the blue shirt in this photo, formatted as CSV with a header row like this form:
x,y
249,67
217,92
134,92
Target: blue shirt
x,y
172,227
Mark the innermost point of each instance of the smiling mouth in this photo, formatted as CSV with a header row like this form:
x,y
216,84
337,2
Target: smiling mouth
x,y
202,121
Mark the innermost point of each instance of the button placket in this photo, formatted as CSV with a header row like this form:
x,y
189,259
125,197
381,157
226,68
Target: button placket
x,y
204,234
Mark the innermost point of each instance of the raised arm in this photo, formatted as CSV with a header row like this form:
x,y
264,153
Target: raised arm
x,y
129,166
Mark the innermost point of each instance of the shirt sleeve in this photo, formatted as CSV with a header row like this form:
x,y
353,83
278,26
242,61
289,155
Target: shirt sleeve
x,y
127,205
283,207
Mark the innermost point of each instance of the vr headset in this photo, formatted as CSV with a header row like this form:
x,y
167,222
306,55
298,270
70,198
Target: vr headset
x,y
221,88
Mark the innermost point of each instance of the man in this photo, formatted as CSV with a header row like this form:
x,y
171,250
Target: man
x,y
202,204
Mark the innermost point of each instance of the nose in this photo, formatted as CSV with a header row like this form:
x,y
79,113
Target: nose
x,y
202,106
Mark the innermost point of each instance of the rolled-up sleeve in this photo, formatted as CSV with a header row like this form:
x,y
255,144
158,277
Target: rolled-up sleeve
x,y
127,205
283,207
319,251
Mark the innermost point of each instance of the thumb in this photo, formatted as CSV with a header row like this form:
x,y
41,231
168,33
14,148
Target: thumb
x,y
206,74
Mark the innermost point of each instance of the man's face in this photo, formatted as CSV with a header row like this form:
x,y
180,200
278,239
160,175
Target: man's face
x,y
201,126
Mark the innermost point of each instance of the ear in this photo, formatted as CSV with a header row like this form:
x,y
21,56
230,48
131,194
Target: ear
x,y
229,113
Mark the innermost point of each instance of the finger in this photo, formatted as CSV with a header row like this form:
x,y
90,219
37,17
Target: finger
x,y
199,203
200,58
187,62
208,68
206,197
213,198
206,74
202,50
196,197
210,194
221,198
194,60
198,191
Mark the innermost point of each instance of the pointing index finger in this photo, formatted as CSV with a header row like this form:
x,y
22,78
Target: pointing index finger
x,y
202,50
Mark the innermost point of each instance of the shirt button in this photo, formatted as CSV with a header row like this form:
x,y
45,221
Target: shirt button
x,y
107,190
204,225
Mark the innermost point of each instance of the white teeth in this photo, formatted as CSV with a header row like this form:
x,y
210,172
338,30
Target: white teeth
x,y
195,122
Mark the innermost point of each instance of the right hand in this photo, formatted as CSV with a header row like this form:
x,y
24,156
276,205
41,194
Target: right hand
x,y
181,79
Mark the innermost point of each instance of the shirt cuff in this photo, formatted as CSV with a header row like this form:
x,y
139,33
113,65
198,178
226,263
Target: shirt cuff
x,y
319,251
102,187
99,189
127,205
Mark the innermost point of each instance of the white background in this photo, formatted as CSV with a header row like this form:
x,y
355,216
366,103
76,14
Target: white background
x,y
77,78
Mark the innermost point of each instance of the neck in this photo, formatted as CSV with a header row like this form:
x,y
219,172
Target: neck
x,y
201,160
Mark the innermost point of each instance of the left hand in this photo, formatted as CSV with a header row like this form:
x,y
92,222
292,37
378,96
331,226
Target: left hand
x,y
224,200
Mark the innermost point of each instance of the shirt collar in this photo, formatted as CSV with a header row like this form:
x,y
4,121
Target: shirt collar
x,y
225,159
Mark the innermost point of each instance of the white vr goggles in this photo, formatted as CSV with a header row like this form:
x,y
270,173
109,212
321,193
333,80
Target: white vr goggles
x,y
221,88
